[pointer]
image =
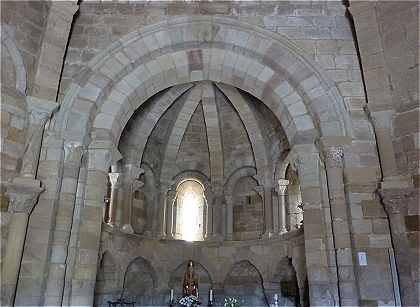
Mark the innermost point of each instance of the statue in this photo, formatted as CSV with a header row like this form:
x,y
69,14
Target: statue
x,y
190,283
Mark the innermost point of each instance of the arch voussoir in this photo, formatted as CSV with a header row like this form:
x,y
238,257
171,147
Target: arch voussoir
x,y
268,66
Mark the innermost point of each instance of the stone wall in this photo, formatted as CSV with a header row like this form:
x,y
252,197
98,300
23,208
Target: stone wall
x,y
321,29
248,210
387,34
341,221
161,264
22,24
26,21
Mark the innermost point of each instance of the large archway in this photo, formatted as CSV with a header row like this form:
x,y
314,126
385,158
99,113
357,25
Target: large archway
x,y
179,51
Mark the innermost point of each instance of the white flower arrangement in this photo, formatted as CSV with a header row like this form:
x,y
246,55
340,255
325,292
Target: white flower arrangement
x,y
189,301
231,302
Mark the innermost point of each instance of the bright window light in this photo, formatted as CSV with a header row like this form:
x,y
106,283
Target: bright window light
x,y
190,206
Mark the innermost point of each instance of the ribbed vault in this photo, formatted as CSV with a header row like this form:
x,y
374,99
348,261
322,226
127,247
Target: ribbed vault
x,y
211,128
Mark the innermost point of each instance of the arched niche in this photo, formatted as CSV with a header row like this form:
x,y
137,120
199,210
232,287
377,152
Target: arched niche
x,y
140,282
107,287
244,282
248,209
286,278
205,282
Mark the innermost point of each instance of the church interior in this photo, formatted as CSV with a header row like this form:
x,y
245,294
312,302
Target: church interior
x,y
212,153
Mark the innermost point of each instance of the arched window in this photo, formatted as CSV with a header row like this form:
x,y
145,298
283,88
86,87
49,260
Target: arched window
x,y
190,207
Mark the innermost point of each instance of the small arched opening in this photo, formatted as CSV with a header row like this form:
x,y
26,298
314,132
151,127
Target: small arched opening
x,y
190,211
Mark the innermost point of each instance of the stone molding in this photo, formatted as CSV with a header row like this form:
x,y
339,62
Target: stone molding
x,y
7,39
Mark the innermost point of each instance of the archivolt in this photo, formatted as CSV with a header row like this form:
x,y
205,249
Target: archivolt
x,y
267,65
8,42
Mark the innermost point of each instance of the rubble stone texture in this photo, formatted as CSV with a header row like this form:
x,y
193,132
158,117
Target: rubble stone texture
x,y
280,109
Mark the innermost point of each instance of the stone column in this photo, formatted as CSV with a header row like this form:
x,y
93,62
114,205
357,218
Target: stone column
x,y
322,279
229,218
401,204
74,234
209,230
283,183
25,189
115,179
171,216
217,217
161,214
131,184
102,154
40,111
268,211
23,194
349,294
73,152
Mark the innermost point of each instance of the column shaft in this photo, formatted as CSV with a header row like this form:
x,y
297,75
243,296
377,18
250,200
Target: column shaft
x,y
349,295
113,202
10,269
268,211
282,204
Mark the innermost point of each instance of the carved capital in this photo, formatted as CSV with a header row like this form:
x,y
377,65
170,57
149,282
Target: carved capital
x,y
282,186
23,194
115,179
334,157
73,151
396,201
40,110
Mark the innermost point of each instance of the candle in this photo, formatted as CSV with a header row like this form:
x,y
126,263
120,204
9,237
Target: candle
x,y
172,295
211,295
276,297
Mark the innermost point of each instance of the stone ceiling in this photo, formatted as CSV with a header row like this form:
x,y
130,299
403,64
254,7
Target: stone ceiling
x,y
210,128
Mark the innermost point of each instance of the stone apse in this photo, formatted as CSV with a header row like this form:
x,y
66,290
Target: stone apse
x,y
266,114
